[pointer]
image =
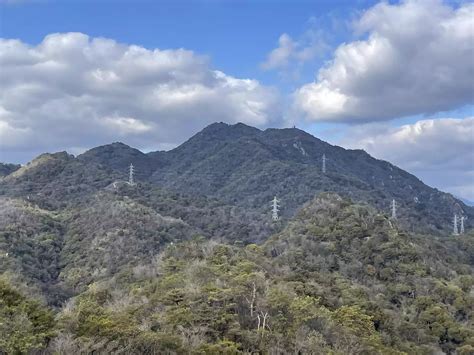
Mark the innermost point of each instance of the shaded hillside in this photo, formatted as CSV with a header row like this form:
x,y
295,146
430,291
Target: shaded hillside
x,y
244,166
57,180
31,240
6,169
119,156
59,251
116,230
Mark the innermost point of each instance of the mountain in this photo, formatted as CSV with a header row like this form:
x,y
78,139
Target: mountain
x,y
119,156
244,166
188,259
55,180
6,169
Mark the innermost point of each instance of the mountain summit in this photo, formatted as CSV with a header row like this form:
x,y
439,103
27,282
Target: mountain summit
x,y
243,166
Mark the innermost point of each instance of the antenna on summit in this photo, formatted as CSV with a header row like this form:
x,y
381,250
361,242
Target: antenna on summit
x,y
131,171
455,225
324,163
275,209
394,209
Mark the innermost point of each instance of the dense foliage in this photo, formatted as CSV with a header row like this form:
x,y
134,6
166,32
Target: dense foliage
x,y
241,166
25,324
339,279
91,264
245,166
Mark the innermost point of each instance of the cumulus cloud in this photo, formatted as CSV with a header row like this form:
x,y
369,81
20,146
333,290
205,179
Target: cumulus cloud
x,y
280,56
417,59
439,151
290,51
72,90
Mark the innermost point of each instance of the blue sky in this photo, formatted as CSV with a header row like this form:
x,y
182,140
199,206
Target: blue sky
x,y
270,54
237,35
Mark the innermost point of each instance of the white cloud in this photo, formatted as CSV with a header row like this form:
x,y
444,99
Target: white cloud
x,y
280,56
439,151
417,59
71,90
290,51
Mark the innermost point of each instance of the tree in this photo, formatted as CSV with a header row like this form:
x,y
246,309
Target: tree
x,y
25,325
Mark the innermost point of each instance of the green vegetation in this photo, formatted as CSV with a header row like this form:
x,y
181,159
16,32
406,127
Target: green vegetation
x,y
244,166
25,324
90,264
241,167
339,279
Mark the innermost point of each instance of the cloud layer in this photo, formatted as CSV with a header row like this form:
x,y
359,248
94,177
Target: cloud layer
x,y
417,59
439,151
75,91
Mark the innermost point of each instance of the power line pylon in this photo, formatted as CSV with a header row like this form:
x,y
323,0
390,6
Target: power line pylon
x,y
131,172
455,225
275,209
394,209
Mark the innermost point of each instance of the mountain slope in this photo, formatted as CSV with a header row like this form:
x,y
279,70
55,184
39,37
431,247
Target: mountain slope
x,y
340,279
247,167
188,259
413,286
6,169
119,156
62,247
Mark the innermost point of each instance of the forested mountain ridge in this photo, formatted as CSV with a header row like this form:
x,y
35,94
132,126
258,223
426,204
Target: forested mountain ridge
x,y
243,166
188,259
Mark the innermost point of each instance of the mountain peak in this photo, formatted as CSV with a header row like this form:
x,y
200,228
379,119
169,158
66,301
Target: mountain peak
x,y
110,150
119,156
107,147
51,162
226,130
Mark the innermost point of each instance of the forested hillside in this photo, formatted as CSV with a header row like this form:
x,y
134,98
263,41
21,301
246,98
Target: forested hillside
x,y
188,259
340,279
242,166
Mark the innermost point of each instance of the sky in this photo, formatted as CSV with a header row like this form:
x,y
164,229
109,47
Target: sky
x,y
393,78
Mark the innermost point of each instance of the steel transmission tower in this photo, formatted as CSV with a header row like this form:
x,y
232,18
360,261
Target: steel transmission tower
x,y
394,209
131,172
455,225
461,228
324,163
275,209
